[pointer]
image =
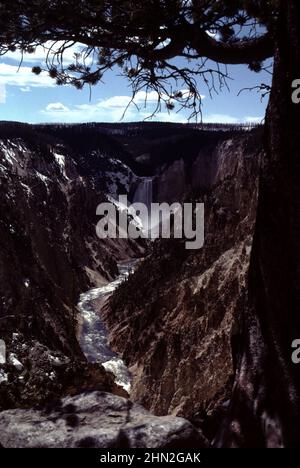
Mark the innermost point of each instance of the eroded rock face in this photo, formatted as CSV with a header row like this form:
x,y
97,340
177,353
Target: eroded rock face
x,y
49,251
49,248
95,420
177,320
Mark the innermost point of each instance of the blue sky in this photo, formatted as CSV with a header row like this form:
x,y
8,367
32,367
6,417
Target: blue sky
x,y
29,98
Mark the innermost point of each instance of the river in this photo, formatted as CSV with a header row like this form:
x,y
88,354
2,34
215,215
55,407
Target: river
x,y
93,335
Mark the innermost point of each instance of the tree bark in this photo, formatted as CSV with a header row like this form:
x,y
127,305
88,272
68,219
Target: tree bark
x,y
265,407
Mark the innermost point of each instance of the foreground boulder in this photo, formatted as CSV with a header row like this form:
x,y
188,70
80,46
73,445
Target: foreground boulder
x,y
95,419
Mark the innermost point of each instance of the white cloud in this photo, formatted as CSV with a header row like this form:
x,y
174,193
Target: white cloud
x,y
11,75
23,77
57,107
120,102
20,73
25,89
41,52
112,110
141,99
2,94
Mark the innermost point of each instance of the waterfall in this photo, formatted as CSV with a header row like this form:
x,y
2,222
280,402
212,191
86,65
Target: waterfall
x,y
144,194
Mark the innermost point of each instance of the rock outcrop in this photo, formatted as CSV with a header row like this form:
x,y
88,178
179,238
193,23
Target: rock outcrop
x,y
36,375
95,420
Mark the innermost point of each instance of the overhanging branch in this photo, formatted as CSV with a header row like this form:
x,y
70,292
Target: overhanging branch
x,y
240,52
234,53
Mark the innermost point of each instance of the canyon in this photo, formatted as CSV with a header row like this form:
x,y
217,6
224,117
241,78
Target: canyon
x,y
174,320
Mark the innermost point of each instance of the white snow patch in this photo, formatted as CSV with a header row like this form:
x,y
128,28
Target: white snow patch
x,y
18,145
43,178
27,188
2,352
56,361
14,361
9,154
61,161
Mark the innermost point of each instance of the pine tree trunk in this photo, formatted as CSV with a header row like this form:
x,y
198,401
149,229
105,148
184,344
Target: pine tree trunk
x,y
266,396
